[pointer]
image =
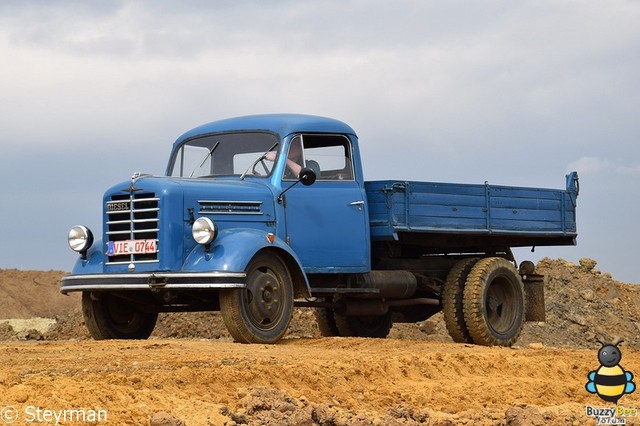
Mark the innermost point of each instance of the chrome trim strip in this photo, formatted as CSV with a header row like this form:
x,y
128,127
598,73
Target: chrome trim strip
x,y
238,207
186,286
141,200
245,202
137,211
121,222
135,200
135,262
204,211
153,281
135,231
215,274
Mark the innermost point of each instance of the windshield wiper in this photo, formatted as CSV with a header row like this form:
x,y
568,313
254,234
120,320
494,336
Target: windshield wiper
x,y
205,157
262,157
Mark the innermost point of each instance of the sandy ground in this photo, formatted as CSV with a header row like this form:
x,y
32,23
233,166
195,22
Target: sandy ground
x,y
191,373
330,381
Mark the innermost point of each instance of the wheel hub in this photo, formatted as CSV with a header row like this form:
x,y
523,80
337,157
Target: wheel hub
x,y
499,295
266,296
263,302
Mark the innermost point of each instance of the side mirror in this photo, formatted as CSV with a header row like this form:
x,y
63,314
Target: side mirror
x,y
307,176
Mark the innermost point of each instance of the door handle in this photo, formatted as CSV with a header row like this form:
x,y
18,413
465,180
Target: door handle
x,y
358,204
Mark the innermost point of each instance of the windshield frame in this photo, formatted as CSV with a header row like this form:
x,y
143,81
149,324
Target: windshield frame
x,y
226,142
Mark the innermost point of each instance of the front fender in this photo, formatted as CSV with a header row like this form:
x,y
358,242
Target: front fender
x,y
233,249
93,264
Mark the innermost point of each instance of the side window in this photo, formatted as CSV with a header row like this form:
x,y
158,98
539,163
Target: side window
x,y
329,156
294,160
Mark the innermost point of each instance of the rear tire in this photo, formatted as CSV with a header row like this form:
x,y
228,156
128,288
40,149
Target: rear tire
x,y
452,301
261,312
326,321
109,317
364,326
494,302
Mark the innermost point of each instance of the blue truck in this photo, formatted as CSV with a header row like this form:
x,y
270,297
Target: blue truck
x,y
256,215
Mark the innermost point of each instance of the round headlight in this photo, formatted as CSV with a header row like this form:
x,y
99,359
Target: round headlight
x,y
204,230
80,238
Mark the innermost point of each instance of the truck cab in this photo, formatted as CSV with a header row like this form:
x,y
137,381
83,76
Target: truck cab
x,y
253,215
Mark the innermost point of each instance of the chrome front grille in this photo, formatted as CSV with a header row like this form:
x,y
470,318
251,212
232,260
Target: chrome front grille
x,y
133,218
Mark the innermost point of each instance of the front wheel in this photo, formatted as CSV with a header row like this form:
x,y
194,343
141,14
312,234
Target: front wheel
x,y
494,302
261,312
110,317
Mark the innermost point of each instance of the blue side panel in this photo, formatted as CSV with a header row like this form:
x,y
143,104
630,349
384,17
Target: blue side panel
x,y
470,209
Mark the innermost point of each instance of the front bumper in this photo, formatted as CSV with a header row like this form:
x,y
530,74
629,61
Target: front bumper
x,y
154,281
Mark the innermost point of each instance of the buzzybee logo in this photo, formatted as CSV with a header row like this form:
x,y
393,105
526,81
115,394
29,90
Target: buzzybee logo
x,y
610,381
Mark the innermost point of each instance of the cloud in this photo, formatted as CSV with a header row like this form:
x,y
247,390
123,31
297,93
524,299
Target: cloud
x,y
595,165
510,92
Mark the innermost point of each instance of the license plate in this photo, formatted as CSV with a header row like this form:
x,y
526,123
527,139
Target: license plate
x,y
118,248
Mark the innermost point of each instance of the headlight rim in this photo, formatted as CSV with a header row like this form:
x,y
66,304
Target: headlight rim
x,y
85,235
206,226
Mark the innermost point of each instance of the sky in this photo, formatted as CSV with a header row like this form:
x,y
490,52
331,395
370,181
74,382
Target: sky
x,y
509,92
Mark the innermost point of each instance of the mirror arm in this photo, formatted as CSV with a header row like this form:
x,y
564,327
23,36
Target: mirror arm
x,y
280,197
306,176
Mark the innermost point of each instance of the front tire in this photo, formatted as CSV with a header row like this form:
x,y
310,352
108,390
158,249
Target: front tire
x,y
110,317
494,302
261,312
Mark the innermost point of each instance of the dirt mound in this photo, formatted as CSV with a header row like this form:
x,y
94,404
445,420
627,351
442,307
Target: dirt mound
x,y
28,294
583,305
190,372
324,381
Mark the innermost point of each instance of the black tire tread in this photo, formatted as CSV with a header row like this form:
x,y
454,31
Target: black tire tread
x,y
231,306
452,300
474,302
353,326
232,317
97,321
326,320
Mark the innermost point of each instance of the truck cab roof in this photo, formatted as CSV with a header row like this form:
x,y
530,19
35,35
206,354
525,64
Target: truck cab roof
x,y
280,124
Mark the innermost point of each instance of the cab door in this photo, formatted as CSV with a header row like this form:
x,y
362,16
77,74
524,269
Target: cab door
x,y
327,222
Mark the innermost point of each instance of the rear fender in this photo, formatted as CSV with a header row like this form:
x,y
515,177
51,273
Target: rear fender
x,y
233,249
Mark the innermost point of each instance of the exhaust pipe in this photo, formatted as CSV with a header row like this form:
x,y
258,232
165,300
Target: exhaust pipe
x,y
392,284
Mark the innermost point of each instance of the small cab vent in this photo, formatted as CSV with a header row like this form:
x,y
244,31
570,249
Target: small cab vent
x,y
230,207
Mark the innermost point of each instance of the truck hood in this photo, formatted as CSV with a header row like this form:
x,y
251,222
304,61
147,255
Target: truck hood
x,y
221,197
168,206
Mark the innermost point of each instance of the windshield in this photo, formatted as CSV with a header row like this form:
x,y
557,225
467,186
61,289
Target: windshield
x,y
224,154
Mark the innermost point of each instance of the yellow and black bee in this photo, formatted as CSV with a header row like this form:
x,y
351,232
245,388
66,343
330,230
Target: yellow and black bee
x,y
610,381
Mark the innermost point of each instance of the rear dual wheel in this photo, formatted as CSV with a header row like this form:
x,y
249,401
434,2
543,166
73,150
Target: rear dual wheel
x,y
377,326
494,302
483,302
333,324
452,303
326,320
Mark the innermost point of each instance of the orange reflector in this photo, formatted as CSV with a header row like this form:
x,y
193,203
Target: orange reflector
x,y
271,238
